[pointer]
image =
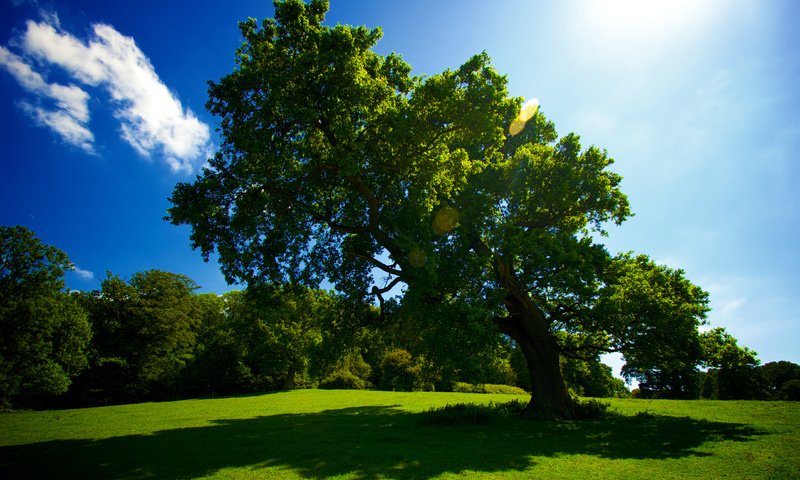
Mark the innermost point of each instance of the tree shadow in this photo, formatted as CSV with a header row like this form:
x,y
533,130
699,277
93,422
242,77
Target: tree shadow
x,y
367,442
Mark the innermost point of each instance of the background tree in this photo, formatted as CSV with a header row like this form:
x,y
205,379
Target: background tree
x,y
653,313
43,332
337,163
144,335
734,373
777,374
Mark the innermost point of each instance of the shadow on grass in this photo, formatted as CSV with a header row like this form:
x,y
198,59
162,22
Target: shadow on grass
x,y
367,442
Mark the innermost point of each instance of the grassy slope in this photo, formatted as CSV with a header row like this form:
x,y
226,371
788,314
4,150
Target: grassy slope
x,y
349,434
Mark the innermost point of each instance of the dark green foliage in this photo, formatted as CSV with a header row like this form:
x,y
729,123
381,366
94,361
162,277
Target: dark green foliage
x,y
734,372
401,372
591,378
589,410
145,333
465,414
44,333
487,388
790,390
343,380
777,374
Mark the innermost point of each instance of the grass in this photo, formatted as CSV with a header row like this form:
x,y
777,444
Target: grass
x,y
371,435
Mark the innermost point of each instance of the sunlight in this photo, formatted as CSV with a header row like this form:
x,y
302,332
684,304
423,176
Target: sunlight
x,y
641,25
527,112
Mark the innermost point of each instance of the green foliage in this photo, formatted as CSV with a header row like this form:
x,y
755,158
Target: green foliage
x,y
777,374
461,414
653,313
589,410
735,374
343,380
337,164
145,333
721,350
401,372
590,378
487,388
44,334
352,372
790,390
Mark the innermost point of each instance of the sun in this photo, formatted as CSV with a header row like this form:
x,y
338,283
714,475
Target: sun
x,y
642,24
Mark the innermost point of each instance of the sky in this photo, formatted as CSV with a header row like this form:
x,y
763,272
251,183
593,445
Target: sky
x,y
102,108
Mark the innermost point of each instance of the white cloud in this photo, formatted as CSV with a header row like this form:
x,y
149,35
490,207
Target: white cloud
x,y
152,119
84,274
65,125
70,116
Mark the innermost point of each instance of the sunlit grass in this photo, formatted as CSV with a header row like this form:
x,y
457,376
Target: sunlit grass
x,y
358,434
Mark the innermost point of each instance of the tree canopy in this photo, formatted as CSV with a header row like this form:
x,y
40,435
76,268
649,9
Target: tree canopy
x,y
338,164
44,333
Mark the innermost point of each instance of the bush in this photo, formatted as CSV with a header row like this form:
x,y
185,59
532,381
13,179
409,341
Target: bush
x,y
487,388
589,410
343,380
471,414
399,372
790,390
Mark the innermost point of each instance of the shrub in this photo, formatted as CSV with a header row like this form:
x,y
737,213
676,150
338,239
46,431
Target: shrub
x,y
399,372
791,390
343,380
589,410
471,414
487,388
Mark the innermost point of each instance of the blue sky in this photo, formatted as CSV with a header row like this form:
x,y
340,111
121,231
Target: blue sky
x,y
102,107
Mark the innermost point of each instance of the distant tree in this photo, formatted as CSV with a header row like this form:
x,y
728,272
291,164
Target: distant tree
x,y
653,314
735,376
790,390
400,372
591,378
144,335
44,333
337,163
777,374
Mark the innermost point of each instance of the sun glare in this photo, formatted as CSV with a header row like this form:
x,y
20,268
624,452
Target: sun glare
x,y
641,24
527,112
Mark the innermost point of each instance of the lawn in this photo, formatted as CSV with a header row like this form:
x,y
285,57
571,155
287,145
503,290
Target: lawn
x,y
372,435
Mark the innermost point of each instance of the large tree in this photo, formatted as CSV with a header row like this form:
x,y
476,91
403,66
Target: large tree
x,y
44,333
338,164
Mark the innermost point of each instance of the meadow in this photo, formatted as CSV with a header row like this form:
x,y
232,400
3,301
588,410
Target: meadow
x,y
373,435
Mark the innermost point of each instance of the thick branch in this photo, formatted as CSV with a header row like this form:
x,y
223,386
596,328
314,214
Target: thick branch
x,y
380,265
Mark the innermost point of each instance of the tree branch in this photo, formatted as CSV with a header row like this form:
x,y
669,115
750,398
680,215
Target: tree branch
x,y
380,265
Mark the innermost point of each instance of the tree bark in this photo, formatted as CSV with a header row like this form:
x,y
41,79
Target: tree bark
x,y
550,398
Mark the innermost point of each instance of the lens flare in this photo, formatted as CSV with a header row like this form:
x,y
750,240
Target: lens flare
x,y
445,220
527,112
416,258
529,109
516,126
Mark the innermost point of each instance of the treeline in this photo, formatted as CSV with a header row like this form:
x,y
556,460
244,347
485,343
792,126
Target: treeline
x,y
154,337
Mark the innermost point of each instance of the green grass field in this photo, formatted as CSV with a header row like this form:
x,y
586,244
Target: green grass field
x,y
372,435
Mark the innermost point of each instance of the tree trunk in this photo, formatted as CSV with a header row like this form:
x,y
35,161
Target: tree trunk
x,y
288,384
550,398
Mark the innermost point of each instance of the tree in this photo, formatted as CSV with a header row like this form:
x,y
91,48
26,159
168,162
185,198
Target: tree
x,y
735,375
777,374
145,331
338,164
653,313
277,328
43,332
